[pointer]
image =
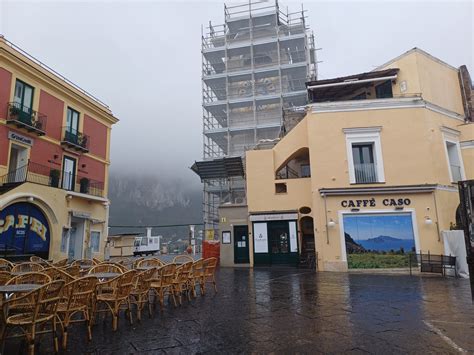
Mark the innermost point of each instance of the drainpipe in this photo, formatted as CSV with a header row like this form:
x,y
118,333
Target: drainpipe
x,y
326,219
437,217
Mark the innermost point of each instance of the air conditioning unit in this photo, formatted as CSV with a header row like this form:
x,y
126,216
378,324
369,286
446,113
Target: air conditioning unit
x,y
239,200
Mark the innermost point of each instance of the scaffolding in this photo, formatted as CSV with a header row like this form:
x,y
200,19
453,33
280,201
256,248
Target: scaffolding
x,y
254,67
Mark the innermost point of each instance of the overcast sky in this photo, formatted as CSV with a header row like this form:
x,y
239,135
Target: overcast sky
x,y
143,58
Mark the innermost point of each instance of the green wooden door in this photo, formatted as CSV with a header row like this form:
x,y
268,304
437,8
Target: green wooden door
x,y
241,245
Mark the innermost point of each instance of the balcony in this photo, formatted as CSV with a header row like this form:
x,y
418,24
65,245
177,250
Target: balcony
x,y
75,140
46,176
365,173
24,117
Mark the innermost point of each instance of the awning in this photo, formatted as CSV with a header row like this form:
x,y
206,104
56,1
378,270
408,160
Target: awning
x,y
330,89
219,168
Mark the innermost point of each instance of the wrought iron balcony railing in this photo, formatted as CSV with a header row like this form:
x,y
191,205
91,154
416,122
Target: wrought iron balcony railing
x,y
27,118
44,175
365,173
75,139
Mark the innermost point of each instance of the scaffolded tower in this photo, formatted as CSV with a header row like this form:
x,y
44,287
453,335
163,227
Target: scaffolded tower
x,y
255,66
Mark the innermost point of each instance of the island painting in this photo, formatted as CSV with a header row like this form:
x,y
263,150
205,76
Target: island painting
x,y
379,233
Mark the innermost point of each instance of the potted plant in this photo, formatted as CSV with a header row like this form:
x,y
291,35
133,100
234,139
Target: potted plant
x,y
14,112
84,182
54,177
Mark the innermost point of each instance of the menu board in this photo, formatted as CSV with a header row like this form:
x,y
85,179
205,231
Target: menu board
x,y
293,237
260,237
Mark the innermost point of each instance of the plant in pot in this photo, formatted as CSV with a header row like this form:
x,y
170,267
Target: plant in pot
x,y
84,182
14,112
54,177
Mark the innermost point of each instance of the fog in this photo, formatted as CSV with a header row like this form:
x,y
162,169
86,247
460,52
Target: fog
x,y
143,58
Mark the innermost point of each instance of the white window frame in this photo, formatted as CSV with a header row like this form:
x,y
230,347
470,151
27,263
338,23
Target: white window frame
x,y
452,136
92,248
370,135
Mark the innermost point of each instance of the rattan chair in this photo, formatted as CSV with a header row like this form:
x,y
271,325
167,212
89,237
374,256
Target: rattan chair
x,y
96,261
77,298
152,262
121,287
73,270
5,265
181,259
33,320
5,276
210,265
181,284
196,275
136,262
38,260
61,263
139,295
27,267
164,285
106,268
83,262
37,278
58,274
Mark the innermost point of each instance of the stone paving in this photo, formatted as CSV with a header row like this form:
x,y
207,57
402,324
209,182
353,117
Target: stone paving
x,y
286,310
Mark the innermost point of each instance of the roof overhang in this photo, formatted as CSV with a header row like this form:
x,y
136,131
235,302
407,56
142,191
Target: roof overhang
x,y
222,168
379,190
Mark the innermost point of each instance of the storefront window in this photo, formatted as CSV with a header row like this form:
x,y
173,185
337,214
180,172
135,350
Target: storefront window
x,y
95,241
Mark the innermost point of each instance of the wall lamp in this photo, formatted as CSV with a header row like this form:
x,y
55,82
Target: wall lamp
x,y
428,220
331,223
30,199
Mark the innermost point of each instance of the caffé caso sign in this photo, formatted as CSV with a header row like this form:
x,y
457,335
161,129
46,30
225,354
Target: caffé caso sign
x,y
371,202
20,138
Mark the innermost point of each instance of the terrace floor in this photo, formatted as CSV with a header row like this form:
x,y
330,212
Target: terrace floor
x,y
287,310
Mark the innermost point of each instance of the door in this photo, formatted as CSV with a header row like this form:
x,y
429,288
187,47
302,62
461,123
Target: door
x,y
23,99
18,163
72,125
69,171
279,242
241,245
76,240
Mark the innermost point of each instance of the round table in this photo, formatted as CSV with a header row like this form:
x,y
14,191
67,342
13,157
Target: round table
x,y
9,289
105,275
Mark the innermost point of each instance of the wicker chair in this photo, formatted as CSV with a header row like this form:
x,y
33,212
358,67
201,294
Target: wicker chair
x,y
181,282
27,267
106,268
43,311
121,287
181,259
96,261
209,274
83,262
5,265
153,262
58,274
73,270
164,285
5,276
77,298
140,291
196,275
61,263
37,278
38,260
136,262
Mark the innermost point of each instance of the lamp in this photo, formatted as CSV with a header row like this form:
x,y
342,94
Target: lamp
x,y
428,220
331,223
30,199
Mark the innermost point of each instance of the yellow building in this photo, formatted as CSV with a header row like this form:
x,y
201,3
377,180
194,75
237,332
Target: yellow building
x,y
54,162
375,160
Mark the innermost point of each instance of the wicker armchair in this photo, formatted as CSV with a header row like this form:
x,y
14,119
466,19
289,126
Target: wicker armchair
x,y
210,265
5,265
77,298
136,262
37,278
5,276
38,260
121,287
58,274
61,263
106,268
153,262
96,261
73,270
33,320
181,259
140,291
27,267
196,276
164,285
181,282
83,262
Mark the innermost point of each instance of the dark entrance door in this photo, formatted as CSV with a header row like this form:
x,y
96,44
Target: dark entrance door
x,y
278,234
241,244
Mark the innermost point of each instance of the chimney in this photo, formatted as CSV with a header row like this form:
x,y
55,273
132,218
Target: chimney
x,y
148,231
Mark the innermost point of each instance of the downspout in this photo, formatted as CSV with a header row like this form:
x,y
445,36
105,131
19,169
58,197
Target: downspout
x,y
437,218
326,219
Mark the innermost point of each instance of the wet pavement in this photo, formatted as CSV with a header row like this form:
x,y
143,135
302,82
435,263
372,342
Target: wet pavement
x,y
284,310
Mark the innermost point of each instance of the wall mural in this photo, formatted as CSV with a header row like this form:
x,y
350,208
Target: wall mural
x,y
379,233
24,229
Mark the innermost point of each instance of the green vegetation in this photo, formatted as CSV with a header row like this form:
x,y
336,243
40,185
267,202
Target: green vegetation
x,y
377,261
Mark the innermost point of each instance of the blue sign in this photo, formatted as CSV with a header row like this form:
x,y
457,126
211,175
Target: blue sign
x,y
24,229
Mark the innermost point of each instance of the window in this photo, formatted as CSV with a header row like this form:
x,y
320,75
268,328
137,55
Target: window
x,y
384,90
69,173
72,121
361,96
280,188
23,95
305,170
453,154
64,240
364,155
95,241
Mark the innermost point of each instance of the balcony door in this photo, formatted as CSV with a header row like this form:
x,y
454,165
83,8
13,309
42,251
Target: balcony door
x,y
23,100
69,172
17,167
72,125
364,163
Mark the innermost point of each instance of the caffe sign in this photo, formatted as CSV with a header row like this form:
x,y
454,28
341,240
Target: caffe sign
x,y
371,202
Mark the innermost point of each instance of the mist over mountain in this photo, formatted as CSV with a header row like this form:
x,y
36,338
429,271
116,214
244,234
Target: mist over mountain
x,y
146,200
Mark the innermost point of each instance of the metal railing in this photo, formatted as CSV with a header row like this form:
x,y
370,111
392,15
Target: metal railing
x,y
365,173
44,175
456,173
27,117
73,137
